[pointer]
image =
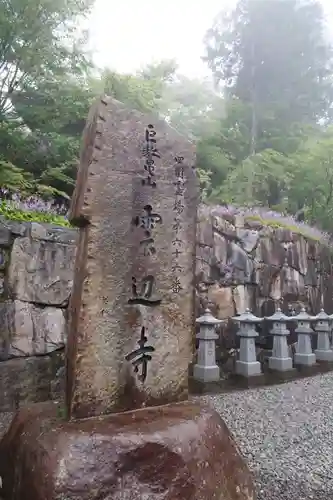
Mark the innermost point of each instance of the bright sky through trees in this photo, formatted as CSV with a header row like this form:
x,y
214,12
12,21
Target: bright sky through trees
x,y
128,34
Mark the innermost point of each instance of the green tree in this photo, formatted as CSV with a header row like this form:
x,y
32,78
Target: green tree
x,y
312,180
39,40
192,106
134,91
293,183
261,180
43,90
45,137
274,57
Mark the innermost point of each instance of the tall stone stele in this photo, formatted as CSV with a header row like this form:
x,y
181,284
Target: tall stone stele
x,y
132,311
130,337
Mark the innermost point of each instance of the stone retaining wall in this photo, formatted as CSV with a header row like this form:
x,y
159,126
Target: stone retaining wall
x,y
243,264
36,273
240,264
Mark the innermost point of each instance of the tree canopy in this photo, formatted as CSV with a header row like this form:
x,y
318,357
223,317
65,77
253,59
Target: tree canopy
x,y
262,123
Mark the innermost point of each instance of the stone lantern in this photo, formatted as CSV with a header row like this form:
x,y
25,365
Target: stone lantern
x,y
247,364
206,369
280,359
304,354
323,328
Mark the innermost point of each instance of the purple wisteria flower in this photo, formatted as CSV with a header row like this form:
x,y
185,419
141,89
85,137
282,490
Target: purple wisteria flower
x,y
33,203
283,219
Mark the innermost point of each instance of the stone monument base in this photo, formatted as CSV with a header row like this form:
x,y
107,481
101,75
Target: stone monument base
x,y
304,359
248,369
322,355
280,364
179,451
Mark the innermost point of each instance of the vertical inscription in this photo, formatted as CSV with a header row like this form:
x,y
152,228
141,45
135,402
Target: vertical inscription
x,y
150,152
177,244
143,288
148,222
140,357
143,295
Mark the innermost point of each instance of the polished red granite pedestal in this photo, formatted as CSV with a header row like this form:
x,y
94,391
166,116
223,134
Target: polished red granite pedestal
x,y
179,451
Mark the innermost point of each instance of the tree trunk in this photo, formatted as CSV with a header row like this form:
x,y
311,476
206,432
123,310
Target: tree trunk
x,y
254,123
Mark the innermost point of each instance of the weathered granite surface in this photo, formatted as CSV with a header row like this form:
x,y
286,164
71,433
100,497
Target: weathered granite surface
x,y
36,275
131,321
30,380
180,451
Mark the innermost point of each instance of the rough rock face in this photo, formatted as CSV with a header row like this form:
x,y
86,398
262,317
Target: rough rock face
x,y
243,264
36,277
133,290
29,330
36,273
180,451
30,380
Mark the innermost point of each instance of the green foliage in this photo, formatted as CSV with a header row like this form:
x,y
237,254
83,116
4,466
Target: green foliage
x,y
29,163
261,179
275,55
275,63
14,214
44,93
192,106
273,145
38,41
136,91
12,177
312,186
264,139
277,224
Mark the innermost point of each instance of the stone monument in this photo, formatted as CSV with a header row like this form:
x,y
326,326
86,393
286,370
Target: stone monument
x,y
128,430
132,322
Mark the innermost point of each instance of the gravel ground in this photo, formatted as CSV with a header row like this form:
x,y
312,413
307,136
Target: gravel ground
x,y
286,434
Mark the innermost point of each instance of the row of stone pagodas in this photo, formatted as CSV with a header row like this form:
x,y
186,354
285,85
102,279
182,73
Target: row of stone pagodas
x,y
206,369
